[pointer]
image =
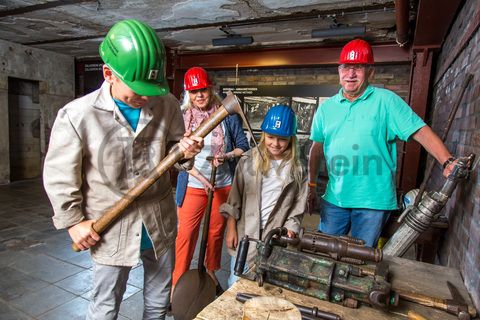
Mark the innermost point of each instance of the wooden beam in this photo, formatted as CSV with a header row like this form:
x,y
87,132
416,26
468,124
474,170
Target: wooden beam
x,y
434,18
419,94
287,57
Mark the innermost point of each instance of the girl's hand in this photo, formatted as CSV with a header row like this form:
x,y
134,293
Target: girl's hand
x,y
231,238
291,234
206,183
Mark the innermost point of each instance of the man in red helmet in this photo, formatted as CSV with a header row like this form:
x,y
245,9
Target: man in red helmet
x,y
357,130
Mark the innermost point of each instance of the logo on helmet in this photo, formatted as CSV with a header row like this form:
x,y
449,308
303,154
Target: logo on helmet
x,y
194,81
278,124
153,74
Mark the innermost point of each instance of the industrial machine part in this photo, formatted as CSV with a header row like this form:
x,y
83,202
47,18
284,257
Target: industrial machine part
x,y
230,105
456,305
419,217
343,248
313,313
313,275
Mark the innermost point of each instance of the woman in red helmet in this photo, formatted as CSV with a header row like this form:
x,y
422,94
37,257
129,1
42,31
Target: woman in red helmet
x,y
226,142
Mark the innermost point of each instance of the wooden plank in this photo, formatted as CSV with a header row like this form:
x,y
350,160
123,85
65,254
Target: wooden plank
x,y
406,275
286,57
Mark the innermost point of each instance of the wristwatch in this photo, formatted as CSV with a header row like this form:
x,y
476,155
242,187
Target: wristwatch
x,y
448,161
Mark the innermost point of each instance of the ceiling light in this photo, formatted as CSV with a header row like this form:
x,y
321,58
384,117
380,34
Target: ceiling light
x,y
236,40
338,32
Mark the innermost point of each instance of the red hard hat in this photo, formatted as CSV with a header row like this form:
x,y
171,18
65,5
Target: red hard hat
x,y
356,51
196,78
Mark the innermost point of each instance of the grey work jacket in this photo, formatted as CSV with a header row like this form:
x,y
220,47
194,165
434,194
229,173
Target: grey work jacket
x,y
244,203
94,158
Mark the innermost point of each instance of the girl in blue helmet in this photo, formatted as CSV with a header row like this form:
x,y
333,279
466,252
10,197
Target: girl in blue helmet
x,y
269,189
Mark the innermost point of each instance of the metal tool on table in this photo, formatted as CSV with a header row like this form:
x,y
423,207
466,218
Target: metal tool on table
x,y
307,312
196,289
343,248
314,275
230,105
417,218
457,305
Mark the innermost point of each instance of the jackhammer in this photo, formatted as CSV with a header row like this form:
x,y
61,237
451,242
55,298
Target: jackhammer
x,y
417,218
310,265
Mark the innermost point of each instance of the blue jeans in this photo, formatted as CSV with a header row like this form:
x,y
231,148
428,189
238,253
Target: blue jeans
x,y
365,224
233,278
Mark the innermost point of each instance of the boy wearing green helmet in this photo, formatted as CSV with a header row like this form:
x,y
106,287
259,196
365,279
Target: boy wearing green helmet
x,y
102,145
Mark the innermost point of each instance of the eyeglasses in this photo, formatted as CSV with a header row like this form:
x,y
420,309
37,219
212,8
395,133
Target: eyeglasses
x,y
354,67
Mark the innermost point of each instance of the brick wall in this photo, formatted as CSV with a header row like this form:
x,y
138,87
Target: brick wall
x,y
393,77
461,245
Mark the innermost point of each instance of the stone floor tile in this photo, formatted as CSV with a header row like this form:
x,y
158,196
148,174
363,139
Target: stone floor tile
x,y
9,313
9,257
132,308
14,232
7,224
43,225
14,284
78,284
75,309
131,290
135,278
46,268
41,301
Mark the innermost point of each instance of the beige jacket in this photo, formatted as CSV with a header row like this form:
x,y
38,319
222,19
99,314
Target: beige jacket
x,y
94,158
244,203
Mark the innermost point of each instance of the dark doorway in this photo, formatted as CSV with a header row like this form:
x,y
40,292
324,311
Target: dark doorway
x,y
24,128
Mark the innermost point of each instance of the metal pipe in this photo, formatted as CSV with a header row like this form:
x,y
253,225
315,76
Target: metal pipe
x,y
402,21
420,216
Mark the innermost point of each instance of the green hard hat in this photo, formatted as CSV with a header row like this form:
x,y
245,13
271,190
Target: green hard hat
x,y
134,53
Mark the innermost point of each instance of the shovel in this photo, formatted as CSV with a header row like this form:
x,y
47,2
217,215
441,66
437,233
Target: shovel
x,y
196,289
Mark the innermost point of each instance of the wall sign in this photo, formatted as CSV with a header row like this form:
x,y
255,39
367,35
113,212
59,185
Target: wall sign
x,y
303,99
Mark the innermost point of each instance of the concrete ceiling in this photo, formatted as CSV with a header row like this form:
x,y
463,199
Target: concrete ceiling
x,y
76,27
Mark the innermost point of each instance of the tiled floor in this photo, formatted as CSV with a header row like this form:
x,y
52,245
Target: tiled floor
x,y
41,277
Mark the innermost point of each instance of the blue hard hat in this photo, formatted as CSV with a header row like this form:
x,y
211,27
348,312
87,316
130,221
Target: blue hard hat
x,y
280,120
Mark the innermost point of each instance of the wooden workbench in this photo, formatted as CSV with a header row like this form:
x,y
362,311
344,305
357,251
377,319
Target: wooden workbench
x,y
407,275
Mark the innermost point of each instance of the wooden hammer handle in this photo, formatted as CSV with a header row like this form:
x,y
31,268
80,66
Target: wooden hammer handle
x,y
230,104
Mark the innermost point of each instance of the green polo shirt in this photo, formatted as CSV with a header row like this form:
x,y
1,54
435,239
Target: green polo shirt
x,y
359,141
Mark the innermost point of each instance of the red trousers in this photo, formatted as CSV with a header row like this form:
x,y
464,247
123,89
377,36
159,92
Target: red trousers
x,y
189,218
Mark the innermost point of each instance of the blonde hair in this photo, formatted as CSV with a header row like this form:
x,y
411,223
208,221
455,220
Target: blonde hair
x,y
290,157
187,104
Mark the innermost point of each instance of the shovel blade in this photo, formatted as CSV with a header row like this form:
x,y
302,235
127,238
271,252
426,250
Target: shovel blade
x,y
194,291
